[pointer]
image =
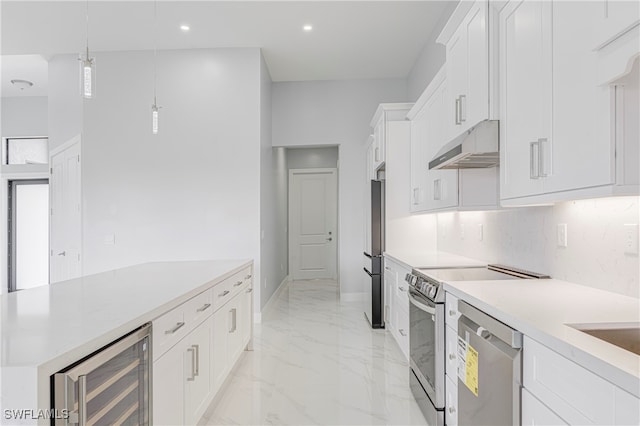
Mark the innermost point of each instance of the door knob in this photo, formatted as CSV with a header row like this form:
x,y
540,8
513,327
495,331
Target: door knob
x,y
64,253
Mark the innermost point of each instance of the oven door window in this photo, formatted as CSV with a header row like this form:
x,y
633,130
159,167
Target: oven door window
x,y
422,343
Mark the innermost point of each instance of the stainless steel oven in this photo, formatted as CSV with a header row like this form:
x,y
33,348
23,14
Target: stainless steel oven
x,y
427,328
426,355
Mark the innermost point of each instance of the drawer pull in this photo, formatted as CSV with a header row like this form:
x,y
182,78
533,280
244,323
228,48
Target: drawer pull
x,y
249,290
204,307
248,276
224,293
402,332
193,364
401,289
452,410
452,313
239,283
452,356
176,328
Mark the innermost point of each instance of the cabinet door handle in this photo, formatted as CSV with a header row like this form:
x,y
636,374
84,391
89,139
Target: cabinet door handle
x,y
249,290
377,155
541,157
452,410
402,332
82,400
197,363
452,313
193,364
452,356
415,195
401,289
458,111
534,172
224,293
248,276
238,284
232,314
437,189
174,329
463,108
204,307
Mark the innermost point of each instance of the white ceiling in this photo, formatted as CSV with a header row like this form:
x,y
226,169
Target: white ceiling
x,y
32,68
350,39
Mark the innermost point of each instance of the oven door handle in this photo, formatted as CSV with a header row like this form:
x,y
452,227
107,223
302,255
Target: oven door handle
x,y
421,306
368,273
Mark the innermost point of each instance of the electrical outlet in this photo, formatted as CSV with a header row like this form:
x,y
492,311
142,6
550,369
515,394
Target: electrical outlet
x,y
480,231
631,238
462,231
562,235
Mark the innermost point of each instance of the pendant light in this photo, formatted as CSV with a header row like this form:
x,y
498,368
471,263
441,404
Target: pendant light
x,y
87,68
155,108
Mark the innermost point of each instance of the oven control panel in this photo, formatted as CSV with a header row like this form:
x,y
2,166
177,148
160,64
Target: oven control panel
x,y
425,286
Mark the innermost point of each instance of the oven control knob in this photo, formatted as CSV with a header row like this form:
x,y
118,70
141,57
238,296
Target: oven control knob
x,y
407,278
432,291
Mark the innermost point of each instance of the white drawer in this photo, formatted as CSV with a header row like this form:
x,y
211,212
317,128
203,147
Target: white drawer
x,y
451,355
167,330
573,392
198,308
400,331
222,292
451,311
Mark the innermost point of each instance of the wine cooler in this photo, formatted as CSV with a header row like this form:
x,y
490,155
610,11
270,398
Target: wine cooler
x,y
110,387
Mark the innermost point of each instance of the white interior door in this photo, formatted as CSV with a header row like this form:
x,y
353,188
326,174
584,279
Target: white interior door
x,y
65,212
313,207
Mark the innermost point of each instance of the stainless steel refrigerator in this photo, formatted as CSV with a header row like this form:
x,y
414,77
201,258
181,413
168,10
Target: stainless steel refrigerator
x,y
374,247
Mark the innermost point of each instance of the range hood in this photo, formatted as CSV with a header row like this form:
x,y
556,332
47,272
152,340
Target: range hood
x,y
476,148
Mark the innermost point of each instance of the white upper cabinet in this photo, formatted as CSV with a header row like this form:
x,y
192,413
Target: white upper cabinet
x,y
431,189
467,39
613,18
558,138
384,114
525,101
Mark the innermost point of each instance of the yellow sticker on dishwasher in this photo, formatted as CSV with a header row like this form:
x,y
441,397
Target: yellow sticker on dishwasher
x,y
471,370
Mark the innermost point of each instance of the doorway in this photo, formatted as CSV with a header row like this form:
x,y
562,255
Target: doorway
x,y
313,213
28,231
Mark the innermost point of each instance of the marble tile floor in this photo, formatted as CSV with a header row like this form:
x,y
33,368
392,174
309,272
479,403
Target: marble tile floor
x,y
316,361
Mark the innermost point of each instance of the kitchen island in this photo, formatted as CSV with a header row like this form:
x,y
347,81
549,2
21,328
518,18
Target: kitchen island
x,y
45,329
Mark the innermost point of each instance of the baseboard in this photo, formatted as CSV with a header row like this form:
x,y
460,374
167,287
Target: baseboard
x,y
257,317
352,297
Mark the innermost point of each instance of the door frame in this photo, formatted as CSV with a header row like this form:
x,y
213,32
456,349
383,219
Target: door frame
x,y
11,225
290,244
8,173
76,140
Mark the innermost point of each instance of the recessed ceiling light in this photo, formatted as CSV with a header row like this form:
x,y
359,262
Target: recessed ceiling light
x,y
22,84
185,27
307,28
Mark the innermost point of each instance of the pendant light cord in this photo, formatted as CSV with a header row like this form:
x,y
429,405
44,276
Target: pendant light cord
x,y
87,23
155,49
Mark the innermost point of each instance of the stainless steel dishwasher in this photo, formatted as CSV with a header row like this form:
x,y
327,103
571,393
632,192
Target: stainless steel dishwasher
x,y
489,369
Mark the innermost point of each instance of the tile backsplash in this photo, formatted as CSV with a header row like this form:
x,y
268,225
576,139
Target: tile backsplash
x,y
528,238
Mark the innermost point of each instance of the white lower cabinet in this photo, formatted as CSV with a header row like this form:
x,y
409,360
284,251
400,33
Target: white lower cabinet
x,y
451,401
535,412
187,376
397,302
574,394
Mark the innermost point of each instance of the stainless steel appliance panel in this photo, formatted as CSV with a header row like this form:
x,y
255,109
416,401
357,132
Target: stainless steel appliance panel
x,y
499,370
111,386
434,417
426,345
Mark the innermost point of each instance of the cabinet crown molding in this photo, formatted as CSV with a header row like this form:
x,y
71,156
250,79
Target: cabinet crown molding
x,y
389,107
455,20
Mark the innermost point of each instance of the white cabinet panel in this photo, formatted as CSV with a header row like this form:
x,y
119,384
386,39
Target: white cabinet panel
x,y
525,113
535,413
451,401
614,18
627,408
451,352
168,377
571,391
219,355
197,372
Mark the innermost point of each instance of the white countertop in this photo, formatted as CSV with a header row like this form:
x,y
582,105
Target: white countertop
x,y
432,259
541,309
47,328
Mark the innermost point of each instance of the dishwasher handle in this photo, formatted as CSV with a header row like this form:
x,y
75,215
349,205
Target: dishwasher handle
x,y
488,326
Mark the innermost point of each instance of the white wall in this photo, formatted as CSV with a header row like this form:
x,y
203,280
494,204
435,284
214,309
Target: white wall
x,y
24,116
64,101
272,167
280,196
431,58
193,190
312,158
526,238
336,113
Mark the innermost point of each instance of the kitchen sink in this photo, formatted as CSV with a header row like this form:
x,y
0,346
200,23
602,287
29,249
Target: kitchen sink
x,y
623,335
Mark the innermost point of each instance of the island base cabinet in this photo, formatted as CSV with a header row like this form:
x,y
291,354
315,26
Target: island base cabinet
x,y
219,355
181,379
535,412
